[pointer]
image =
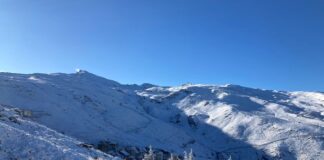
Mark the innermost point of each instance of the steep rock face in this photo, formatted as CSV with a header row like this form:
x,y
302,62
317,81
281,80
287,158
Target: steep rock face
x,y
215,121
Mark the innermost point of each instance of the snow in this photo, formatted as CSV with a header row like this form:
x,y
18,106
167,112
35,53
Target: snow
x,y
21,139
36,80
215,121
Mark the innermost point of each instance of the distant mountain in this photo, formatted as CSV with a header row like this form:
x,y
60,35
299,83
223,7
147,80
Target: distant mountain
x,y
217,122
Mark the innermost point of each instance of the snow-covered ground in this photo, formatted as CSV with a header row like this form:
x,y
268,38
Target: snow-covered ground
x,y
24,139
215,121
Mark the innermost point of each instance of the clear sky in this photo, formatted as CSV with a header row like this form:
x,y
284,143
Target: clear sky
x,y
271,44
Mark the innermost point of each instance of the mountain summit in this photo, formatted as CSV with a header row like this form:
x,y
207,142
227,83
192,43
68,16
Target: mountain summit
x,y
217,122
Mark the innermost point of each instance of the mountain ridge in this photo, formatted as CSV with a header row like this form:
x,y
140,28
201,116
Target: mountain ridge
x,y
216,121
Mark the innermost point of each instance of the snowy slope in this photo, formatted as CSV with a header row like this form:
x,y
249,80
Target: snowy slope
x,y
283,125
215,121
23,139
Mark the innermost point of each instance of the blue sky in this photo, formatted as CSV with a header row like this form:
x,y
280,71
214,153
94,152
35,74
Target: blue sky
x,y
265,44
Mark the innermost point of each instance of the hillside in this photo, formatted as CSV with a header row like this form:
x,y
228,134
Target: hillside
x,y
24,139
217,122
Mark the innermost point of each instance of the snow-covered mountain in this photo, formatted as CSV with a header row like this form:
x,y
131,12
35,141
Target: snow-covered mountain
x,y
217,122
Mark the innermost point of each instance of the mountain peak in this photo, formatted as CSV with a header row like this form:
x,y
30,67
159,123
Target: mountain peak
x,y
85,73
81,71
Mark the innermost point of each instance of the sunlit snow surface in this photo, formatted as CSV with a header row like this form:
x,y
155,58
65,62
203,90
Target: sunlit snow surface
x,y
215,121
24,139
